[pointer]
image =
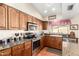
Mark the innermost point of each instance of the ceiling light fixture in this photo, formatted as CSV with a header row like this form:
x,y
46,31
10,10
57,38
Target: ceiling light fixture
x,y
45,11
48,5
53,9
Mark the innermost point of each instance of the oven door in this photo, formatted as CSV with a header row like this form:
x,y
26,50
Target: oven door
x,y
36,44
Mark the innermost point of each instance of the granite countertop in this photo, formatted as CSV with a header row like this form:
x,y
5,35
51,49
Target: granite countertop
x,y
9,45
57,35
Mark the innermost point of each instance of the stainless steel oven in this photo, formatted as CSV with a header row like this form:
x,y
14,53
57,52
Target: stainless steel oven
x,y
36,44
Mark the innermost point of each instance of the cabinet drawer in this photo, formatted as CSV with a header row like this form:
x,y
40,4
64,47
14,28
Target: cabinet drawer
x,y
17,47
6,52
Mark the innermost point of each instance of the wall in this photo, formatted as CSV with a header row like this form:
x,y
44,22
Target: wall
x,y
5,34
27,8
75,20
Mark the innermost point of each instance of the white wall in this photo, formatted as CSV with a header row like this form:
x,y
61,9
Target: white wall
x,y
27,8
4,34
75,20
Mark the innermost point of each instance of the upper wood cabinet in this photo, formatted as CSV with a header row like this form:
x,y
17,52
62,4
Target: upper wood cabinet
x,y
30,18
34,20
40,25
45,25
23,21
3,16
13,16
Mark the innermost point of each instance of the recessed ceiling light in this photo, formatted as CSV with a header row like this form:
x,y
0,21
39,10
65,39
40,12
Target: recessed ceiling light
x,y
53,9
48,5
45,11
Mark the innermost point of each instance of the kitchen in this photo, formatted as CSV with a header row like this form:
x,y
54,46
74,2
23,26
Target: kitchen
x,y
26,31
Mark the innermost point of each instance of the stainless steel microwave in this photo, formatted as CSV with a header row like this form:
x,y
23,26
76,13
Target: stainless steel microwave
x,y
31,26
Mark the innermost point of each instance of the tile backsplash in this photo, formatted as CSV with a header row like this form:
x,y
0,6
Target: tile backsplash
x,y
4,34
8,33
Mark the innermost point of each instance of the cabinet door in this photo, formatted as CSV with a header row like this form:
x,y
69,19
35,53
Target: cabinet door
x,y
45,25
13,18
28,49
40,25
52,41
58,43
30,18
34,20
46,41
3,16
18,50
23,21
42,42
6,52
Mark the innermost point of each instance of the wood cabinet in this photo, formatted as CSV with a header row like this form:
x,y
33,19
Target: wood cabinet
x,y
18,50
34,20
23,21
40,25
53,42
28,48
59,43
5,52
13,16
3,16
45,25
30,18
38,22
47,41
42,43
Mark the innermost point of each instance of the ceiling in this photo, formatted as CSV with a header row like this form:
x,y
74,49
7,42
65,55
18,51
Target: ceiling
x,y
49,9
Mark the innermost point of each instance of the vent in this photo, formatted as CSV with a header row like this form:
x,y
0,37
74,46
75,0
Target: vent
x,y
70,7
52,17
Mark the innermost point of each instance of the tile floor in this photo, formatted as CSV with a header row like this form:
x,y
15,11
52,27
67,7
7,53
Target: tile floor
x,y
45,52
70,49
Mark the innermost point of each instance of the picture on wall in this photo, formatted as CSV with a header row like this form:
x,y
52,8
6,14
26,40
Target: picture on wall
x,y
74,27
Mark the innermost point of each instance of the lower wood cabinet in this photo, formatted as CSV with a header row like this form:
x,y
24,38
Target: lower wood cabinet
x,y
41,42
25,49
53,42
28,48
5,52
18,50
